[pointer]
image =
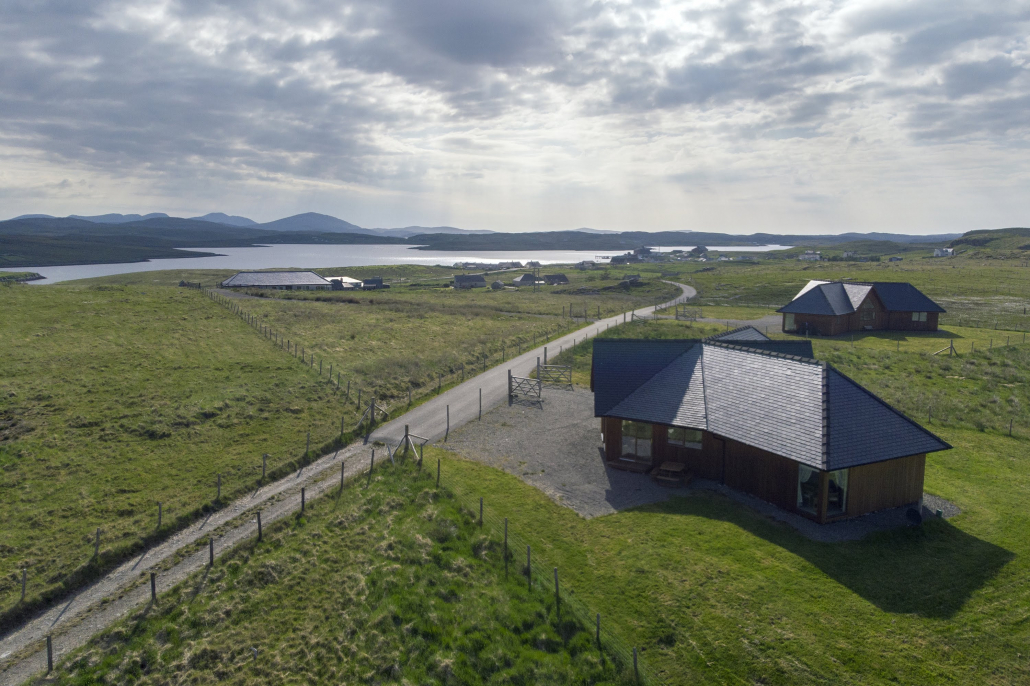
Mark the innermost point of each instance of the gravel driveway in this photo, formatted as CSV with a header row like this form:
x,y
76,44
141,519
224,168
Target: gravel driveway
x,y
558,450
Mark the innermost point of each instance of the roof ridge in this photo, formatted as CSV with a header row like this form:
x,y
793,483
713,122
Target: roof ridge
x,y
759,351
887,405
716,336
826,414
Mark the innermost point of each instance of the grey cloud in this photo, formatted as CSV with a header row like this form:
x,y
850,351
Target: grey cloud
x,y
970,78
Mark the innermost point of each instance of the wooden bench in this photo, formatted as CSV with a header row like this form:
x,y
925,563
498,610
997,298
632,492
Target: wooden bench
x,y
671,474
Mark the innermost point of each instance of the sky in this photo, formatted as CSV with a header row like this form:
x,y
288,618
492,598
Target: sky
x,y
799,117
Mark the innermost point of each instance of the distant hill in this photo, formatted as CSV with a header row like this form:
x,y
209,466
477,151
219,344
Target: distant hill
x,y
222,218
421,230
119,218
313,222
627,240
1015,238
50,241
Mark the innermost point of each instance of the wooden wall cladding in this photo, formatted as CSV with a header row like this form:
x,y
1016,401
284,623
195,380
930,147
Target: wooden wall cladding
x,y
881,485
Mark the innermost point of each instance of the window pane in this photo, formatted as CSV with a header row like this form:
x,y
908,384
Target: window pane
x,y
692,435
629,445
643,448
915,316
788,321
636,429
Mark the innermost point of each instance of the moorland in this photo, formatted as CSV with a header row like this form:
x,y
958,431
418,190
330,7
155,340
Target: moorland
x,y
708,590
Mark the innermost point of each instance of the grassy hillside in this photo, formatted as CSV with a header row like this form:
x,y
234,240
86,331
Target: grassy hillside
x,y
393,584
713,592
994,239
115,399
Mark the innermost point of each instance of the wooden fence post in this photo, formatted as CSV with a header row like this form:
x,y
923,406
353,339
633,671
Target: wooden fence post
x,y
160,511
302,500
49,654
343,467
96,546
481,402
371,466
153,587
259,525
529,568
557,596
211,551
438,472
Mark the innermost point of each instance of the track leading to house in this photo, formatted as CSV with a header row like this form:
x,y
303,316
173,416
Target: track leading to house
x,y
75,619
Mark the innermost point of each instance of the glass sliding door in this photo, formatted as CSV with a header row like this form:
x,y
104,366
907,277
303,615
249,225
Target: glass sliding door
x,y
837,493
808,489
636,439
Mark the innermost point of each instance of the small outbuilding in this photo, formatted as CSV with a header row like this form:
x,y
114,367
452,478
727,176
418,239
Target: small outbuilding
x,y
373,284
497,286
830,308
944,252
344,283
469,281
278,280
760,418
555,279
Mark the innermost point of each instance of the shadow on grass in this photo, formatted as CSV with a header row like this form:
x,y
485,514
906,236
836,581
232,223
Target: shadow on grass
x,y
929,570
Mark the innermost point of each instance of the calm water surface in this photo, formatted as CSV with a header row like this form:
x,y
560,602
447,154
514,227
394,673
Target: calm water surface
x,y
320,256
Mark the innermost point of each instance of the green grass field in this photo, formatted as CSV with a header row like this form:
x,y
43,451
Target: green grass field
x,y
394,584
114,399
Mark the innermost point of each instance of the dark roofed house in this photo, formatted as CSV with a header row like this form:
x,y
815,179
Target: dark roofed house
x,y
782,427
830,308
527,279
469,281
555,279
281,281
374,283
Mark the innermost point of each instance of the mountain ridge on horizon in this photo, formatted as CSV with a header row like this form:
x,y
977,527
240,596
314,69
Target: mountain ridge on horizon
x,y
314,222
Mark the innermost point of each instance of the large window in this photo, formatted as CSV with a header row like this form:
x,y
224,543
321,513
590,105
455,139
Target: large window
x,y
687,438
788,322
636,439
837,493
808,489
919,316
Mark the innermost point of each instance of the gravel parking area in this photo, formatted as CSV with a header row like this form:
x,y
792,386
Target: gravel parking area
x,y
557,448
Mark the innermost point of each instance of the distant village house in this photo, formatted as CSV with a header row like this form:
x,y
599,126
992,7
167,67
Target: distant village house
x,y
830,308
944,252
555,279
278,280
469,281
527,280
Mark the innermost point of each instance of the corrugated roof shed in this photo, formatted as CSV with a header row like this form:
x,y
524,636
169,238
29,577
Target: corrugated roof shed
x,y
259,279
791,406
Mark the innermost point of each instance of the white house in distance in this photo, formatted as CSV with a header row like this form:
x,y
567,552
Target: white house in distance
x,y
280,281
944,252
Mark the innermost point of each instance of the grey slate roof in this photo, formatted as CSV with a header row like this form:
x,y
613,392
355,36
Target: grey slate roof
x,y
837,298
468,278
256,279
799,408
751,337
742,333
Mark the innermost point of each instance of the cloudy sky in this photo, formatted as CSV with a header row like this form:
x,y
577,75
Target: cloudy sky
x,y
523,115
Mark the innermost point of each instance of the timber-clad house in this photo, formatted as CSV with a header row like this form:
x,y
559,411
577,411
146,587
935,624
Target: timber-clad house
x,y
760,416
830,308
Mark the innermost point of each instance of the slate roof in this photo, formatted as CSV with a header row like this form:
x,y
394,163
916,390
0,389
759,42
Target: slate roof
x,y
258,279
799,408
468,278
753,338
742,333
837,298
526,278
